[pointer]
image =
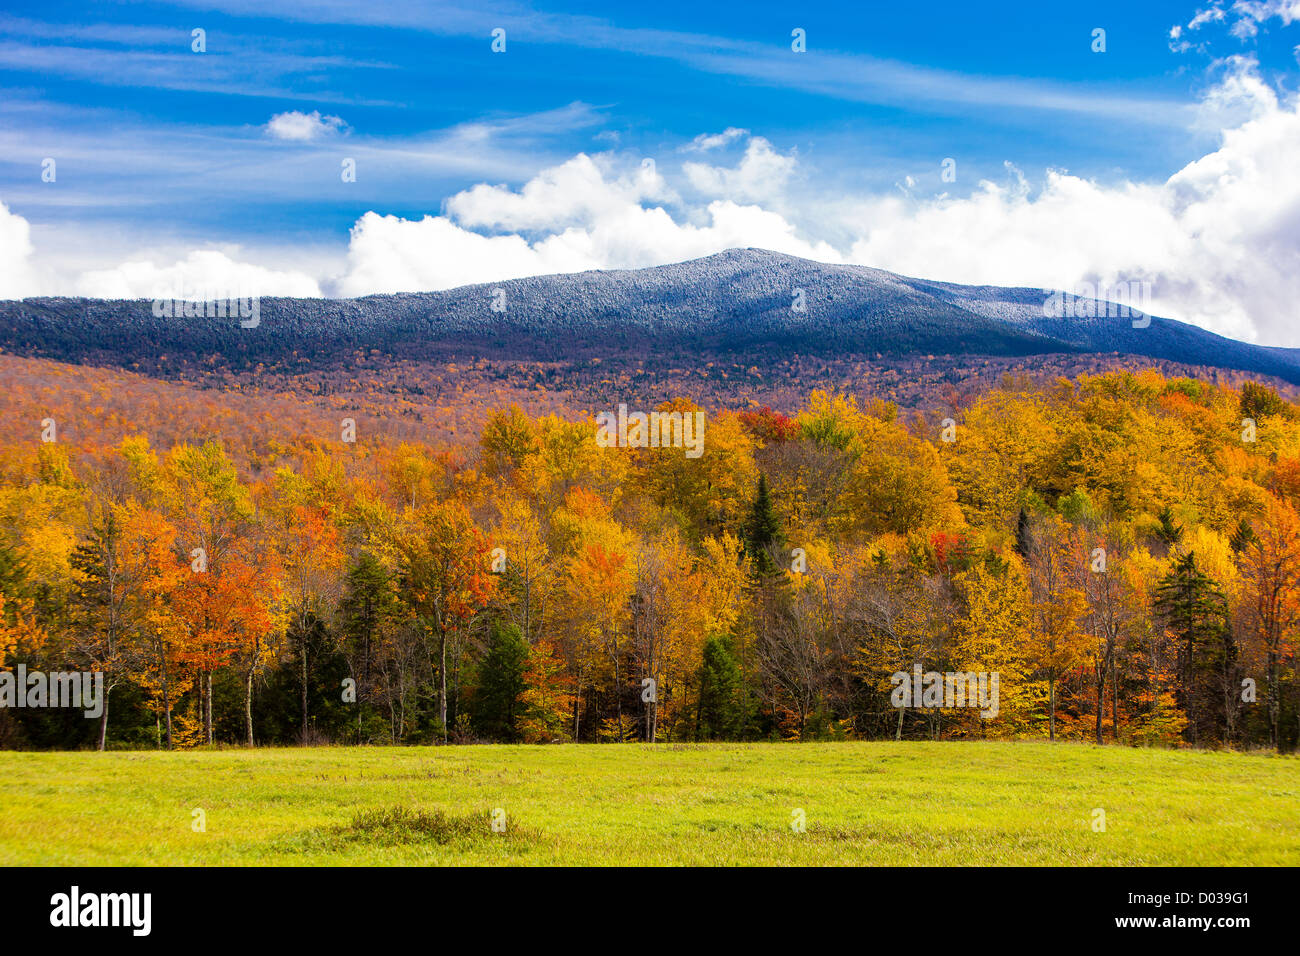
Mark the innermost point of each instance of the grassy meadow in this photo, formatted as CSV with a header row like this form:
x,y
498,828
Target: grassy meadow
x,y
865,804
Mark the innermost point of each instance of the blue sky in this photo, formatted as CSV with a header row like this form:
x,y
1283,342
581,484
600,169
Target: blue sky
x,y
169,160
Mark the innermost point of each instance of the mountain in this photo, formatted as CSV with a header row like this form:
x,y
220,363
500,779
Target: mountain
x,y
736,302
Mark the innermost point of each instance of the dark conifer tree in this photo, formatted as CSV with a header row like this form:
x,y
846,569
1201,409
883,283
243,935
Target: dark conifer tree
x,y
1196,612
496,708
721,708
762,531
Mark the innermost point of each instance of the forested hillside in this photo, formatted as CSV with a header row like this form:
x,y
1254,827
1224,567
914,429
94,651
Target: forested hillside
x,y
749,306
1123,549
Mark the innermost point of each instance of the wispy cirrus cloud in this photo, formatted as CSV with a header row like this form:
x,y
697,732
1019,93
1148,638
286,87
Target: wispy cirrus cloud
x,y
822,71
107,160
163,57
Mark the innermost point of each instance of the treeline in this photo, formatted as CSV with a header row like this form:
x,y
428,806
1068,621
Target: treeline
x,y
1123,551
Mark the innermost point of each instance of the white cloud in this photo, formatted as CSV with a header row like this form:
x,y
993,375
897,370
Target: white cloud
x,y
1248,14
579,190
762,174
1212,14
586,213
204,273
707,141
17,276
389,254
1240,95
1261,11
1219,240
303,127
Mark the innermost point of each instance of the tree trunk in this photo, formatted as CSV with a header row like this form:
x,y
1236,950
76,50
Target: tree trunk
x,y
618,689
167,700
576,696
1273,704
699,712
248,704
1101,699
303,635
1051,704
209,707
1114,697
442,693
103,722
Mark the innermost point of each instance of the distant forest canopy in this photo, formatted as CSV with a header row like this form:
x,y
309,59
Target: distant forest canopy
x,y
1122,549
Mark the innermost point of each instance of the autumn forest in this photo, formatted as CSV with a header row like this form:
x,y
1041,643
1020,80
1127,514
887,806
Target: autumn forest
x,y
1121,549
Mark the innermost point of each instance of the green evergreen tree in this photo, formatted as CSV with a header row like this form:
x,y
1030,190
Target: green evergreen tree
x,y
762,531
1242,537
369,604
721,713
1195,611
496,707
1168,532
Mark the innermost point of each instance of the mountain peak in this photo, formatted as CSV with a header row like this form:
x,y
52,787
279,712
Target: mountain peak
x,y
735,300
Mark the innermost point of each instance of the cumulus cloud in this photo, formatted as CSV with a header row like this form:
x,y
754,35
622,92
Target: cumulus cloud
x,y
1219,240
577,191
762,174
586,213
1239,95
203,274
303,127
17,275
389,254
1251,13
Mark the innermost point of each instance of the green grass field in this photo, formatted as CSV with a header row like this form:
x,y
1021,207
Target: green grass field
x,y
865,803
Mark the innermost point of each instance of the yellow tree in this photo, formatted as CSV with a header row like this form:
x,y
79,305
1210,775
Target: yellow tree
x,y
1271,598
547,696
213,512
598,587
528,572
992,634
306,549
710,490
444,579
149,556
1057,642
